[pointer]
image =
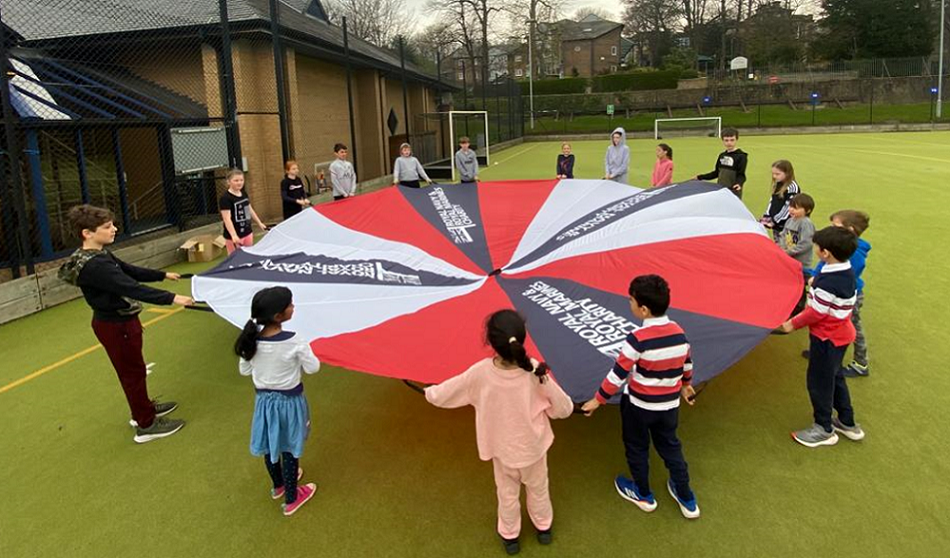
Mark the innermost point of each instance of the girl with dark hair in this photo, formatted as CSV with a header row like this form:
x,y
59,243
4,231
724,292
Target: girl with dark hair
x,y
274,359
663,169
514,400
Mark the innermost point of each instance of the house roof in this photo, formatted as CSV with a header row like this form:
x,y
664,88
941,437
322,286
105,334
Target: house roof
x,y
77,18
585,30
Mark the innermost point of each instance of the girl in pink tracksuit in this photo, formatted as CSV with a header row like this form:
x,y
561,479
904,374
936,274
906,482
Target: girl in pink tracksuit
x,y
514,400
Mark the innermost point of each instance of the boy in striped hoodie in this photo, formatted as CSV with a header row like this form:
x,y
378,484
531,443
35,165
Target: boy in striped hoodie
x,y
654,369
828,318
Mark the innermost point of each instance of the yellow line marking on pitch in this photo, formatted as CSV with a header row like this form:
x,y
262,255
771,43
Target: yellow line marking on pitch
x,y
78,355
519,154
161,310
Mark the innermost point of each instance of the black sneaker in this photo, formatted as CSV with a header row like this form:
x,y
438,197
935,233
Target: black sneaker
x,y
161,409
512,546
161,428
545,537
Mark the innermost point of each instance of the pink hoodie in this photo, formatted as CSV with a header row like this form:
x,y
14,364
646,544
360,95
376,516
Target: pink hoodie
x,y
663,172
512,410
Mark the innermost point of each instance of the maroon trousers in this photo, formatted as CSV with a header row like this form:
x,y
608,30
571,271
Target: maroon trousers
x,y
123,344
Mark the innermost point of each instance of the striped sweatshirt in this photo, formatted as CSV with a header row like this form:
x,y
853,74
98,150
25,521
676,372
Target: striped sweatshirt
x,y
830,303
653,366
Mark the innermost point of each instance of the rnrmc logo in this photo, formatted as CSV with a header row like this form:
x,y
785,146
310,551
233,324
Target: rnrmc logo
x,y
453,216
370,270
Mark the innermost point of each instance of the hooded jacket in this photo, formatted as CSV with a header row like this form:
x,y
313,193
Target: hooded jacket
x,y
618,157
110,286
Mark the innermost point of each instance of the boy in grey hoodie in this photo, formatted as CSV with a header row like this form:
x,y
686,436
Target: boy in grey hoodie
x,y
618,157
342,174
466,162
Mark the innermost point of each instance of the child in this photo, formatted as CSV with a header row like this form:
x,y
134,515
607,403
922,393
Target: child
x,y
798,231
796,239
514,400
828,317
654,369
111,288
236,212
320,181
408,170
618,157
274,359
292,191
663,169
565,162
342,174
731,164
784,188
856,222
466,162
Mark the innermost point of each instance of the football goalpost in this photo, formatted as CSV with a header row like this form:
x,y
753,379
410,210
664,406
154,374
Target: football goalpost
x,y
710,126
443,130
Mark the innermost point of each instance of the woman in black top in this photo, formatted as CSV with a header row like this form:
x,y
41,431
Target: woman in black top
x,y
292,192
565,162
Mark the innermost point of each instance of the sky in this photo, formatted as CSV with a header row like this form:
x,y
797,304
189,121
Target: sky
x,y
570,6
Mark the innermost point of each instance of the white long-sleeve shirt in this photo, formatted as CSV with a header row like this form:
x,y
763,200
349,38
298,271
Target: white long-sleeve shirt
x,y
343,178
279,362
408,169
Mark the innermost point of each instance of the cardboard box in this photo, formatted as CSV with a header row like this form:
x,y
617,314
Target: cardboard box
x,y
203,248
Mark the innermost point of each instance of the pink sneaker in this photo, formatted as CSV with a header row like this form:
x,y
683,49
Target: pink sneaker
x,y
304,493
278,493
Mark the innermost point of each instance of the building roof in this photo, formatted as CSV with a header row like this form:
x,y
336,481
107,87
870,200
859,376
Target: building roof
x,y
585,30
44,21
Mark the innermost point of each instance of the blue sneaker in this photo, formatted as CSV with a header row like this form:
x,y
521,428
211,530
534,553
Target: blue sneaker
x,y
689,508
628,491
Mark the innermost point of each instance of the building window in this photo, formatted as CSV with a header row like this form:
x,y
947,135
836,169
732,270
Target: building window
x,y
459,63
613,68
577,48
519,73
517,58
613,51
461,76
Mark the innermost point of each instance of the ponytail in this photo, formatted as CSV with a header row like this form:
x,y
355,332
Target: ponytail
x,y
266,305
246,344
505,332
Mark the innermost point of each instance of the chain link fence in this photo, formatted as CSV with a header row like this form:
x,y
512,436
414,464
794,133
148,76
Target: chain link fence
x,y
141,106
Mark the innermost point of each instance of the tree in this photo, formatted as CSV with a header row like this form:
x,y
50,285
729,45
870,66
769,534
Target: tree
x,y
533,19
652,23
460,19
875,29
771,36
581,13
375,21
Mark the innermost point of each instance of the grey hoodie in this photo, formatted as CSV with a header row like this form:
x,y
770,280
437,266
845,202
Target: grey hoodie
x,y
618,157
466,163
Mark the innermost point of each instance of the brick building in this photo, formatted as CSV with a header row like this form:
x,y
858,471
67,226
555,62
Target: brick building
x,y
157,67
589,47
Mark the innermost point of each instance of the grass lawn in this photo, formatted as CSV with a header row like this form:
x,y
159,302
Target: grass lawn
x,y
400,478
767,116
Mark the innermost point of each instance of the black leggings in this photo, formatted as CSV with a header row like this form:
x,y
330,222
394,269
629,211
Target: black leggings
x,y
409,183
284,474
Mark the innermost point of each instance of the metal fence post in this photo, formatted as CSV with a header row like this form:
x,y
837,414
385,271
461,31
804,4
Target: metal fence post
x,y
227,88
279,75
23,249
349,93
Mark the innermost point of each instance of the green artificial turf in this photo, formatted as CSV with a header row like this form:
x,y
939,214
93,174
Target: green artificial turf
x,y
400,478
755,116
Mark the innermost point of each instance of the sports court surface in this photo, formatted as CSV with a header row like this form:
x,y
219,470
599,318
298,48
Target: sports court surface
x,y
400,478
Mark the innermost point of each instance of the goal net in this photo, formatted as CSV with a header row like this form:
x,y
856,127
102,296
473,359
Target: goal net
x,y
446,129
709,126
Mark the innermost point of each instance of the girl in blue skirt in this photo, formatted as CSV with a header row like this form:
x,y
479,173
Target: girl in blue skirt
x,y
274,359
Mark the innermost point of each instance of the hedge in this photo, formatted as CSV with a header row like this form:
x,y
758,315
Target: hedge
x,y
563,86
636,81
631,81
